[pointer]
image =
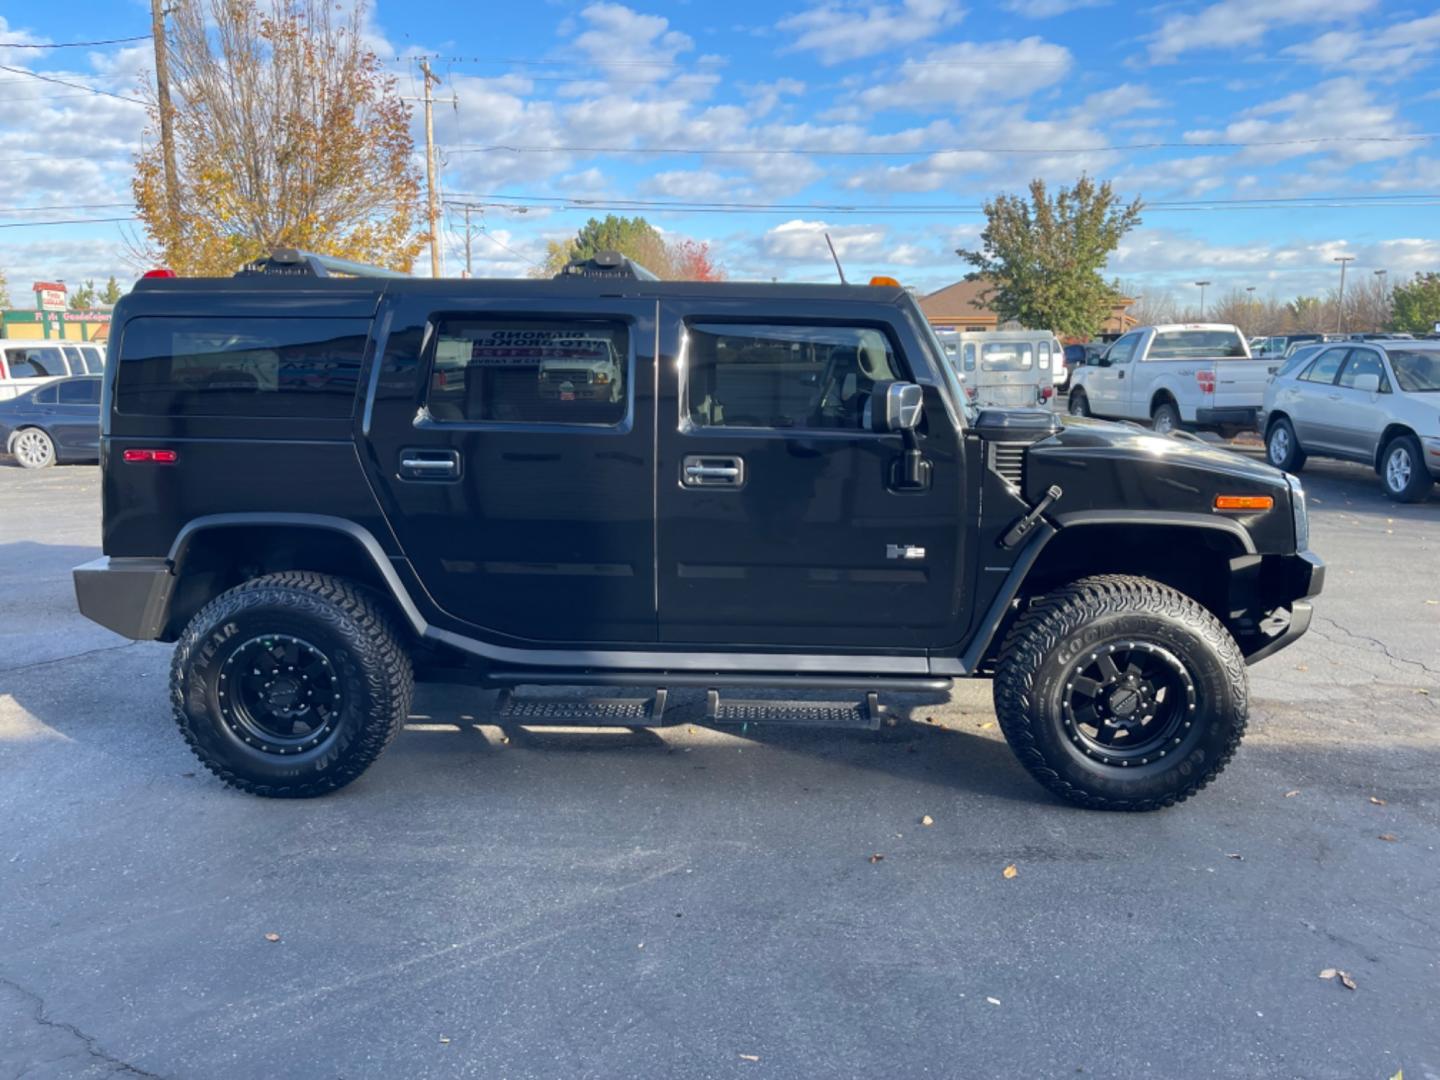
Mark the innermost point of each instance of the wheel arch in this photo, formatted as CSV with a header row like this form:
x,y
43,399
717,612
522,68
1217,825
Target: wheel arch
x,y
1274,416
1390,434
1163,395
214,553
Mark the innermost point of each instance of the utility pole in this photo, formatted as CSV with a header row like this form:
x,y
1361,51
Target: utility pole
x,y
1340,307
467,208
432,207
162,102
1383,275
1202,285
1250,291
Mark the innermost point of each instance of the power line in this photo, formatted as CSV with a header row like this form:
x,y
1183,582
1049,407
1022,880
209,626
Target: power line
x,y
819,151
63,206
73,44
63,221
72,85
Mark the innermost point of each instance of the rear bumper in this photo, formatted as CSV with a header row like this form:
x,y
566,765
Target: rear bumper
x,y
128,596
1247,416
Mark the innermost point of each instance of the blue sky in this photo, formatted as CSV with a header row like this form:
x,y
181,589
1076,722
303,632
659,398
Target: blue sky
x,y
886,123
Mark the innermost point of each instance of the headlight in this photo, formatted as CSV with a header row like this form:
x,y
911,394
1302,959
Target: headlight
x,y
1302,516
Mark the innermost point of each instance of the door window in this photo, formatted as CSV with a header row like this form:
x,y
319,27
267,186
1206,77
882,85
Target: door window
x,y
970,357
80,392
778,376
1364,362
530,371
1122,350
1325,366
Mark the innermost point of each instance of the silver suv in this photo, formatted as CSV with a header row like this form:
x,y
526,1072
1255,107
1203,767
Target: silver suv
x,y
1376,402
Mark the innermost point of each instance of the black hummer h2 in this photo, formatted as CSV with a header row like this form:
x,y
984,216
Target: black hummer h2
x,y
323,488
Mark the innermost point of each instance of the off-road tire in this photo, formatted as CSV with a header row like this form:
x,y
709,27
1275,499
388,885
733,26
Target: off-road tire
x,y
1282,448
1166,418
357,637
1059,631
1079,404
1417,486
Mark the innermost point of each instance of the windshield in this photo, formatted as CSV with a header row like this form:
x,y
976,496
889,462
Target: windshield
x,y
945,362
1190,344
1417,371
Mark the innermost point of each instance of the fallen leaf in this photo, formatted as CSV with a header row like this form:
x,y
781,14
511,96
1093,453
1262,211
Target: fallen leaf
x,y
877,857
1292,794
1328,973
272,937
445,1040
1302,667
1432,603
1377,802
1235,855
927,820
1422,690
1346,980
987,725
749,1057
1399,1075
1389,837
1009,872
993,1001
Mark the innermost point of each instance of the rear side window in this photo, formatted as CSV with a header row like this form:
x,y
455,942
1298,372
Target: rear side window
x,y
530,371
79,392
35,362
781,376
270,367
1325,366
1193,344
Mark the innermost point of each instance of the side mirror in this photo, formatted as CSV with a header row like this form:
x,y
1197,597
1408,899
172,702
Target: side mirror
x,y
896,406
1367,383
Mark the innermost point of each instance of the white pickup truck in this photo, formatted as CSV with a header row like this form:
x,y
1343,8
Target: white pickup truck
x,y
1195,375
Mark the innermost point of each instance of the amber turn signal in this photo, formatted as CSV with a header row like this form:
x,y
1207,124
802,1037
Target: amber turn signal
x,y
1243,502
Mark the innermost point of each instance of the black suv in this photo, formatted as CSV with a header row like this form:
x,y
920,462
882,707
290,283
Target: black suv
x,y
326,487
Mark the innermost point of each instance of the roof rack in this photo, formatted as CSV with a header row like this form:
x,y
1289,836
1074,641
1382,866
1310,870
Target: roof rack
x,y
607,264
296,263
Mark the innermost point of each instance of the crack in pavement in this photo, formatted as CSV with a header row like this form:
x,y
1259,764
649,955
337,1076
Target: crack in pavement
x,y
72,656
1378,644
91,1046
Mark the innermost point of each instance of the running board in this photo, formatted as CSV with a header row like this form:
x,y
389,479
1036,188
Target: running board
x,y
867,714
581,712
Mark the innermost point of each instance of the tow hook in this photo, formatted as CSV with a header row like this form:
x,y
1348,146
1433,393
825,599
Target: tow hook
x,y
1021,528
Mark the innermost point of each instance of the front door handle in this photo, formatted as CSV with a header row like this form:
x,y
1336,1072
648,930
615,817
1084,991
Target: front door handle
x,y
703,470
417,464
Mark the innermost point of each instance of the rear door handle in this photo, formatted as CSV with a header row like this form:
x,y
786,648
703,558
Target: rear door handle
x,y
704,470
418,464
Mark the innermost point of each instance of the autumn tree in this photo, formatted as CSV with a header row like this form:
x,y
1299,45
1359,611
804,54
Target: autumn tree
x,y
1416,304
1308,314
690,260
673,260
288,133
1042,257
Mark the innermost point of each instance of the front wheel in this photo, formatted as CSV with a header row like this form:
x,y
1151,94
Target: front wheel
x,y
1119,693
290,685
33,449
1078,405
1402,468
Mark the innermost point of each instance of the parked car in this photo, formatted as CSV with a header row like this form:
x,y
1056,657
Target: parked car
x,y
1377,403
57,422
1298,341
1010,368
789,489
1197,375
28,364
84,358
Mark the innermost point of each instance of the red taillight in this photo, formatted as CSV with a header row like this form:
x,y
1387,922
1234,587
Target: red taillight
x,y
159,271
1046,393
157,457
1206,379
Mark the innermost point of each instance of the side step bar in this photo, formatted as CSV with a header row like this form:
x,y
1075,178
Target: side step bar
x,y
867,714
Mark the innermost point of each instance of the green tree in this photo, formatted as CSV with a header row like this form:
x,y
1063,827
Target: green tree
x,y
1417,304
1042,257
634,237
4,291
83,298
112,292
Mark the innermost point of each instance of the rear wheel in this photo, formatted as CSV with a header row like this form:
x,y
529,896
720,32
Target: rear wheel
x,y
1165,418
1119,693
290,685
1078,404
33,449
1403,471
1282,448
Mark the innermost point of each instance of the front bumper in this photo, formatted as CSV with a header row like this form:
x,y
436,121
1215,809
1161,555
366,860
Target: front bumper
x,y
1304,577
128,596
1246,417
1432,455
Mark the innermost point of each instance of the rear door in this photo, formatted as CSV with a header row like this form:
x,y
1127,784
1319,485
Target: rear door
x,y
77,416
511,443
779,517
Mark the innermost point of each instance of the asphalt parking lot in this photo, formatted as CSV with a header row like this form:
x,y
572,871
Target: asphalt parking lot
x,y
692,904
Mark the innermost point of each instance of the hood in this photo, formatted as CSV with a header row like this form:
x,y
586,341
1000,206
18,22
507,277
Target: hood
x,y
1085,438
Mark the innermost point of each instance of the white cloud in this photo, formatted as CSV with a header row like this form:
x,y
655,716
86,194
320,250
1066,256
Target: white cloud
x,y
954,76
1232,24
618,37
1397,44
1048,9
846,31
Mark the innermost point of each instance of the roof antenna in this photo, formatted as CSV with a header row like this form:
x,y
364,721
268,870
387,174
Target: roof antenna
x,y
838,268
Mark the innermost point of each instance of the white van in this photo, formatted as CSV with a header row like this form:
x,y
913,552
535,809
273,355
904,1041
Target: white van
x,y
1008,367
25,365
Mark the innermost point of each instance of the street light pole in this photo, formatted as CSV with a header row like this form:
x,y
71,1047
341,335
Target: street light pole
x,y
1340,312
1202,285
1384,277
1250,293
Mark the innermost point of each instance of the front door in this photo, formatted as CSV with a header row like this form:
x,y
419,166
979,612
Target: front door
x,y
512,446
1364,414
781,517
1318,413
1108,385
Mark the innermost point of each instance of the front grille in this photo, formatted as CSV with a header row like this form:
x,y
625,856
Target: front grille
x,y
1008,460
570,375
